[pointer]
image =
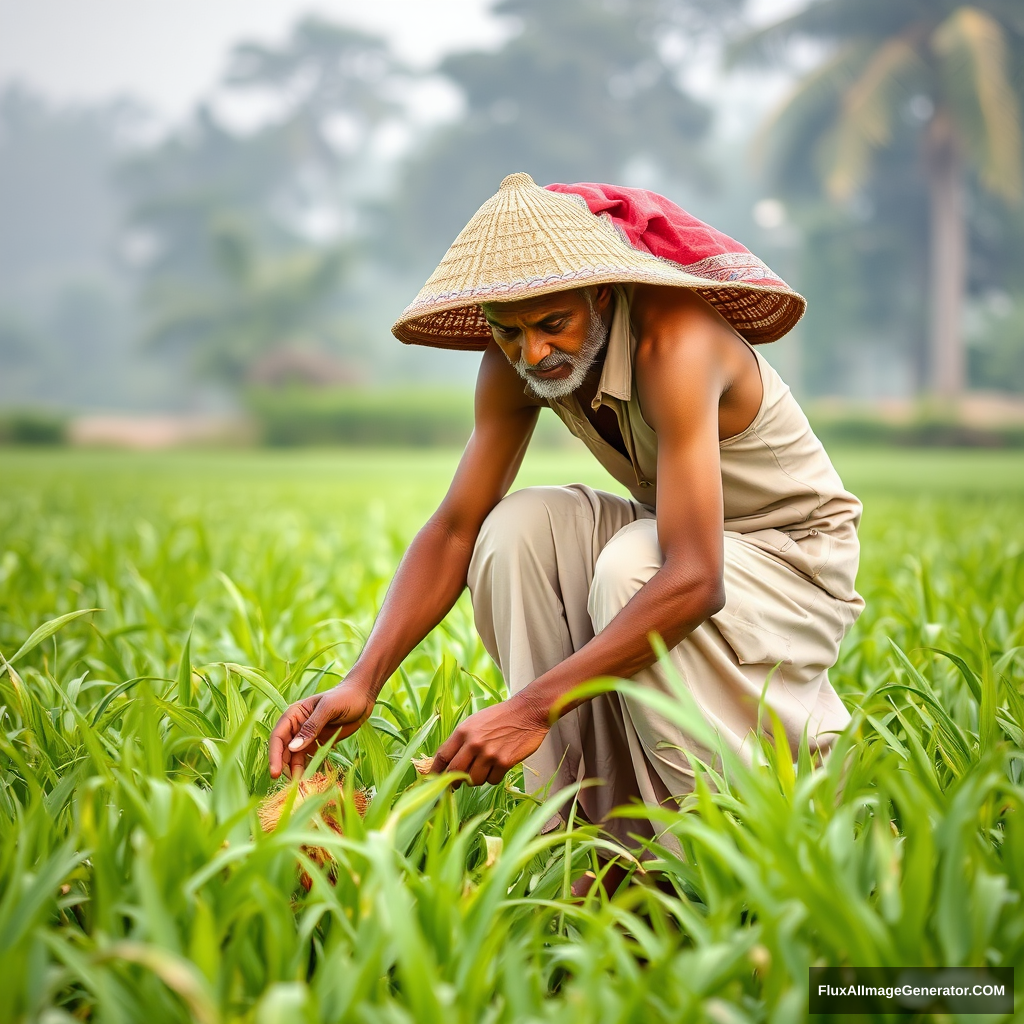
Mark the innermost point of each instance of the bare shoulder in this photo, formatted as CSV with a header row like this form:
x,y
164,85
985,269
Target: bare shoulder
x,y
678,314
675,325
689,357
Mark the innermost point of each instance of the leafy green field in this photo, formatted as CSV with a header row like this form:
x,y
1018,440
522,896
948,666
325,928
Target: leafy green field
x,y
135,883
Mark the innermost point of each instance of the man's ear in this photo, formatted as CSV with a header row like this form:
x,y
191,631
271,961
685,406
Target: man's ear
x,y
602,298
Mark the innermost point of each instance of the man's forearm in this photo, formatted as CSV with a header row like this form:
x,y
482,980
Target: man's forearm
x,y
428,582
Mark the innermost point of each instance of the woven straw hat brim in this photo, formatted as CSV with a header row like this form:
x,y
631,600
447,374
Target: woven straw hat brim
x,y
526,241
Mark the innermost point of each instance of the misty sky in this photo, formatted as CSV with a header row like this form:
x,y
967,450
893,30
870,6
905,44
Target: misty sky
x,y
171,52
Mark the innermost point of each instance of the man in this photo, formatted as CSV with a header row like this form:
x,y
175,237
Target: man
x,y
634,323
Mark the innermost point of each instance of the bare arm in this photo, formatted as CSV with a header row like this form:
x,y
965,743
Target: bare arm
x,y
681,375
432,573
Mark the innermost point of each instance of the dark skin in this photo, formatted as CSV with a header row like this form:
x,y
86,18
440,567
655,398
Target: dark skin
x,y
698,382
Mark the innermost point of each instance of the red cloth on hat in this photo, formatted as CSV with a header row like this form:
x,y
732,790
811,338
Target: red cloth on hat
x,y
655,225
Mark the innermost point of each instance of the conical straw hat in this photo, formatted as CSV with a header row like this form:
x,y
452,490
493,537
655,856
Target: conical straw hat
x,y
526,241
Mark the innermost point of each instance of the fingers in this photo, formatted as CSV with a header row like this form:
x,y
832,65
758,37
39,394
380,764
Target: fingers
x,y
283,733
480,771
276,746
445,753
460,754
483,769
337,710
310,728
297,761
294,729
318,718
461,762
325,716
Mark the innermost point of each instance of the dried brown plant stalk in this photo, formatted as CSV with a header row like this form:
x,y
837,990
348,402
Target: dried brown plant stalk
x,y
328,817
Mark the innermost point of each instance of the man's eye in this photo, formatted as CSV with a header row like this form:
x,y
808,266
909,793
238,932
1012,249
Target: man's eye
x,y
553,328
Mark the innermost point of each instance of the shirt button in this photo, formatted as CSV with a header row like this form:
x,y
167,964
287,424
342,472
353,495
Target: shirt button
x,y
645,483
814,533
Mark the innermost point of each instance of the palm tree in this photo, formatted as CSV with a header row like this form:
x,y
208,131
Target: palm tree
x,y
950,65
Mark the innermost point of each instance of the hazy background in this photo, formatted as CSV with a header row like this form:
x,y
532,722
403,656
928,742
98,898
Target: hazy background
x,y
205,207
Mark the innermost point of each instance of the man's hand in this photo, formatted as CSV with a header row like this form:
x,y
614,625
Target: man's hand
x,y
486,745
316,720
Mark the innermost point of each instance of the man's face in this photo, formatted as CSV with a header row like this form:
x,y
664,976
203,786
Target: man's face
x,y
552,340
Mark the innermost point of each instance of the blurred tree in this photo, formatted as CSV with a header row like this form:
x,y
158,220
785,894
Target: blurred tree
x,y
251,303
330,80
997,349
57,207
863,267
177,190
239,236
582,90
18,340
66,308
952,69
335,88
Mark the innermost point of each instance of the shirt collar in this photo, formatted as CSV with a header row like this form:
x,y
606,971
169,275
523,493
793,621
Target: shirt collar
x,y
617,375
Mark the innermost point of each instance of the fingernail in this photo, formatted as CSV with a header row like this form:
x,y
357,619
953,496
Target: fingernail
x,y
296,743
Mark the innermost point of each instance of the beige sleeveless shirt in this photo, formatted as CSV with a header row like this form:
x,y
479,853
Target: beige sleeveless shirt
x,y
779,488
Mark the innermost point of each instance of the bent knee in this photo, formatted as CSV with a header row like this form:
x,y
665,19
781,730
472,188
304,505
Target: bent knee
x,y
526,513
625,564
521,520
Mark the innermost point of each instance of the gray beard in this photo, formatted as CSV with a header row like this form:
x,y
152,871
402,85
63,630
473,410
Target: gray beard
x,y
597,337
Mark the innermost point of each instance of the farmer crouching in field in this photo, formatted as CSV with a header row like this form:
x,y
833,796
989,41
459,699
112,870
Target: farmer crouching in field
x,y
635,323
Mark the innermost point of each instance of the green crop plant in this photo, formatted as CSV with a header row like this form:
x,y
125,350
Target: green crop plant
x,y
156,614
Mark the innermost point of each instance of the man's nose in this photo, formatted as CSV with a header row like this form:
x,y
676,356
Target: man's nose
x,y
534,347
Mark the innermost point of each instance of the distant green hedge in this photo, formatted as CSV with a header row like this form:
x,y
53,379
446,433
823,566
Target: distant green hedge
x,y
30,426
396,417
923,433
417,418
405,417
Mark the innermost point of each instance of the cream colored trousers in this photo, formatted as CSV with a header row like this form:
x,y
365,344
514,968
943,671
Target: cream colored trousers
x,y
553,566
